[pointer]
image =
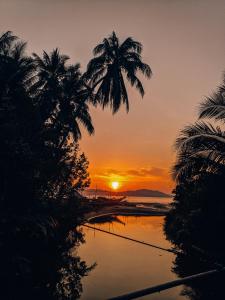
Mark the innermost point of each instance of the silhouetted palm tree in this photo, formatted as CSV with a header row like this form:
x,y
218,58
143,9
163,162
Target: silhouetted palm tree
x,y
105,72
16,77
62,95
201,147
16,68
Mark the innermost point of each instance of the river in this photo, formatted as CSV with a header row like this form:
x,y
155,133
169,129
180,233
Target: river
x,y
124,266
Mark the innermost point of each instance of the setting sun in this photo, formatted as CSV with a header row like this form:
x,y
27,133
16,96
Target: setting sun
x,y
115,185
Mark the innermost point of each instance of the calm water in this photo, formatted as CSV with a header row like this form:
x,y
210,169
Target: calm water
x,y
124,266
149,199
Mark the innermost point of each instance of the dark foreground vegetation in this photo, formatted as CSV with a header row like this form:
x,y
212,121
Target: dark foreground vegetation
x,y
196,222
44,101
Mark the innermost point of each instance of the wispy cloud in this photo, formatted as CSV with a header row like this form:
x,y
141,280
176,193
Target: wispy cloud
x,y
152,172
145,172
134,178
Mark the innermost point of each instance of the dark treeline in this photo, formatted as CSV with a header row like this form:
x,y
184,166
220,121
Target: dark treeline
x,y
197,217
44,102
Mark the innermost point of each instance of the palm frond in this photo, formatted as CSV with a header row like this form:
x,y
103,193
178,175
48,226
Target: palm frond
x,y
84,118
200,148
130,45
18,50
99,49
6,40
198,134
213,107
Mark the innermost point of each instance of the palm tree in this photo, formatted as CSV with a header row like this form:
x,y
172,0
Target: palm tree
x,y
16,68
201,146
105,72
62,95
74,109
16,77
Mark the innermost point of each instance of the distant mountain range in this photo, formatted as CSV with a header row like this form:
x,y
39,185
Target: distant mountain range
x,y
132,193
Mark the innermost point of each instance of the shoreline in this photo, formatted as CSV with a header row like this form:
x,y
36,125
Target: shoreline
x,y
128,209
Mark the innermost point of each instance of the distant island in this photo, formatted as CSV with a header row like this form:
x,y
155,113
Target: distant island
x,y
132,193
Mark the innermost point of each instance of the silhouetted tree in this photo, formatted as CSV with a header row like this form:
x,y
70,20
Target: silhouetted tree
x,y
201,147
196,218
42,107
105,72
44,102
61,95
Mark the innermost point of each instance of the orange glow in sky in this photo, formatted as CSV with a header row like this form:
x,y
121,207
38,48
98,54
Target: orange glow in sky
x,y
183,42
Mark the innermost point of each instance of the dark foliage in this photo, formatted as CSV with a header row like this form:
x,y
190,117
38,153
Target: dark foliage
x,y
44,102
196,223
41,109
37,262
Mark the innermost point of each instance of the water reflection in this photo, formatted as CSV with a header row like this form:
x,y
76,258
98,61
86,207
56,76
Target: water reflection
x,y
33,267
209,288
106,219
206,232
124,266
57,270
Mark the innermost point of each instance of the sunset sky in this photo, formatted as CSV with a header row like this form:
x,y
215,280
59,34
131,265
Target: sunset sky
x,y
184,43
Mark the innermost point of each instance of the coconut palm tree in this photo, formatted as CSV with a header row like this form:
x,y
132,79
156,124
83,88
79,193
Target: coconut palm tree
x,y
16,77
201,146
74,109
16,68
61,95
106,71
